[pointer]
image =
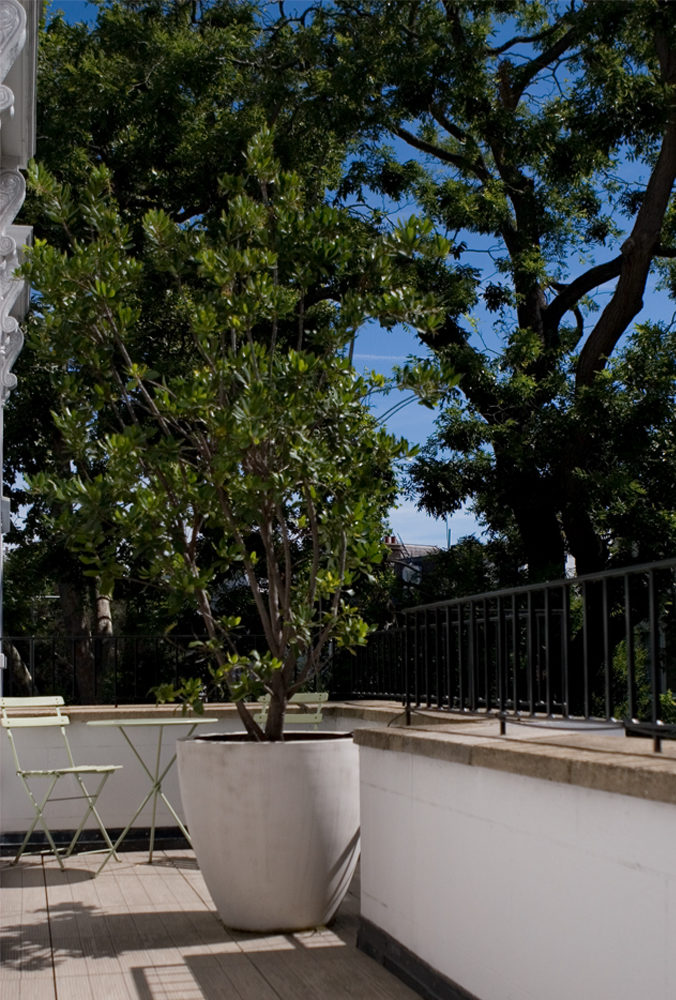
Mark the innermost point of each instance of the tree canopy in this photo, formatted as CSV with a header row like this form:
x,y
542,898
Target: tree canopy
x,y
537,139
257,456
166,97
540,139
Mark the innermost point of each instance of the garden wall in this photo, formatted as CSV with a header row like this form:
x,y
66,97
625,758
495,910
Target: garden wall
x,y
125,789
503,869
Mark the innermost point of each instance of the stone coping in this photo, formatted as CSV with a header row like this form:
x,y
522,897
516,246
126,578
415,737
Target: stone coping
x,y
384,713
603,760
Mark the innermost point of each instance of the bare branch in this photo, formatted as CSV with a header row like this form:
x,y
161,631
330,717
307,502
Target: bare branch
x,y
525,74
442,118
524,40
461,162
571,294
640,249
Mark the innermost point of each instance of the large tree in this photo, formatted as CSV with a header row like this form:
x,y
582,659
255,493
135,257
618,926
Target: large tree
x,y
541,139
167,96
258,458
538,137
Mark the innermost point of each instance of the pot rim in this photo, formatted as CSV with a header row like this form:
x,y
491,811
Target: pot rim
x,y
242,738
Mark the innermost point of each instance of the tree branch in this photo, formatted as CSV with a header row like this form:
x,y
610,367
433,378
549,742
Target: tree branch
x,y
571,294
525,74
442,119
461,162
640,249
523,40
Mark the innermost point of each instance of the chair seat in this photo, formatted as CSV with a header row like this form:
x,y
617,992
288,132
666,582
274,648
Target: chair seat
x,y
78,769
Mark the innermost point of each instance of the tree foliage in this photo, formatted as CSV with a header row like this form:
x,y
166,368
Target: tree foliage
x,y
537,138
541,139
256,457
166,96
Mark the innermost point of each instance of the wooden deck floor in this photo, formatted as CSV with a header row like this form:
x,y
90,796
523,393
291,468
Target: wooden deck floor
x,y
150,932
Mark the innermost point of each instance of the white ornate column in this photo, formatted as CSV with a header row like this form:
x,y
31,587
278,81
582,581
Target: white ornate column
x,y
18,48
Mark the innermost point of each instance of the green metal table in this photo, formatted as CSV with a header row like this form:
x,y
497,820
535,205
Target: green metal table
x,y
157,776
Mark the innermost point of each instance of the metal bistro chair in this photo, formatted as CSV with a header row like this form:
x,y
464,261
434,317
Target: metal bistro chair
x,y
30,776
306,707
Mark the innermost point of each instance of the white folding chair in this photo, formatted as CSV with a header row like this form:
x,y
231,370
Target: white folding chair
x,y
305,707
31,776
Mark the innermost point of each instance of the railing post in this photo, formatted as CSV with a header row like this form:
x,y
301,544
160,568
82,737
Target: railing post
x,y
654,656
530,652
471,658
565,649
461,657
515,655
585,649
407,673
500,657
630,656
547,653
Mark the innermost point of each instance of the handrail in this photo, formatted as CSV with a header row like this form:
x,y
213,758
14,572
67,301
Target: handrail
x,y
596,646
524,588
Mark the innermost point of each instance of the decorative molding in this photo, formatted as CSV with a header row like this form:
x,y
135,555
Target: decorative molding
x,y
6,99
12,34
11,342
12,194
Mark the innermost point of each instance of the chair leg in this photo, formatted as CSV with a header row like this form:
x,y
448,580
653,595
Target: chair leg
x,y
92,799
39,818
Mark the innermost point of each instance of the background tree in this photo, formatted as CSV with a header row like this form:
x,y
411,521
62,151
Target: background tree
x,y
542,139
537,137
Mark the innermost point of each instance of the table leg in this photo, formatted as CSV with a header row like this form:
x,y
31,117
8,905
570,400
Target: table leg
x,y
155,791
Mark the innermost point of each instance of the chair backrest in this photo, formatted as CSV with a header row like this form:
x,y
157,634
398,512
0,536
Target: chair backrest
x,y
55,718
37,701
304,714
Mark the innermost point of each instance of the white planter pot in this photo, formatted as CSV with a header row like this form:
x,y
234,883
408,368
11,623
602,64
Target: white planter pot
x,y
275,826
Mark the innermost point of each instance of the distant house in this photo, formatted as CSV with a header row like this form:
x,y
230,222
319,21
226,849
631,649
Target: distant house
x,y
409,561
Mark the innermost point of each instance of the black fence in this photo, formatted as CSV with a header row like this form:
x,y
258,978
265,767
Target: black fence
x,y
100,670
593,647
110,670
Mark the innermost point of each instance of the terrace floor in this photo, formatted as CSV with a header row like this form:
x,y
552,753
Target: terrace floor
x,y
150,932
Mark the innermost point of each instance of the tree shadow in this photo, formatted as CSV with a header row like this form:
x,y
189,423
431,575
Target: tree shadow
x,y
31,875
76,930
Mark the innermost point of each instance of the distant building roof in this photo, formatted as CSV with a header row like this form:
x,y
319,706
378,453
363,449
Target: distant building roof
x,y
408,550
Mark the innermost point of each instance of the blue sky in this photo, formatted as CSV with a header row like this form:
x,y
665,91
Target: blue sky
x,y
75,10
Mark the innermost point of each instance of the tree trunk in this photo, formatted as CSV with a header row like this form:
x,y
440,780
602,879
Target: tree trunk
x,y
77,630
103,631
535,512
104,614
21,684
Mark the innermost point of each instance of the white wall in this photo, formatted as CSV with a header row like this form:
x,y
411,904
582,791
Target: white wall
x,y
125,789
518,888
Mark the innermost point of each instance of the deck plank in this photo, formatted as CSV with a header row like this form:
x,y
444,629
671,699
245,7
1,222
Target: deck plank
x,y
150,932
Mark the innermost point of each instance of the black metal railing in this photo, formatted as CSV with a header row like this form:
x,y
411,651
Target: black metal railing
x,y
600,646
118,669
110,670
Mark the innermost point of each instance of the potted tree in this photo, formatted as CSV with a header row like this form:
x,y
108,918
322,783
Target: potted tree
x,y
247,452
